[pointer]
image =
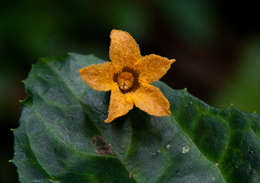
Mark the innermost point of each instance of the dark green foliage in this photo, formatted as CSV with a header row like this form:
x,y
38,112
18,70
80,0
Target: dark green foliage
x,y
62,132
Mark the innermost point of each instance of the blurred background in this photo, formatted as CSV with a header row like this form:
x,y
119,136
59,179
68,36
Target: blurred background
x,y
216,44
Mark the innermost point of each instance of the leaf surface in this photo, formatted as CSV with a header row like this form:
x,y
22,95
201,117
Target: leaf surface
x,y
62,136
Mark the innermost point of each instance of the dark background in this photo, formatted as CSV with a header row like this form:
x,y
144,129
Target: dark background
x,y
216,44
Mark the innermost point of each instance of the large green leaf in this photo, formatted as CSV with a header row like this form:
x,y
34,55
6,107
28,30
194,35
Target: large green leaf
x,y
63,138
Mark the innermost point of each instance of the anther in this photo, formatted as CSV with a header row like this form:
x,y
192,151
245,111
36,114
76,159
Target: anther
x,y
125,80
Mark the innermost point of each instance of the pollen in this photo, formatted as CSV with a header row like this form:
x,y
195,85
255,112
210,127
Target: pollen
x,y
125,80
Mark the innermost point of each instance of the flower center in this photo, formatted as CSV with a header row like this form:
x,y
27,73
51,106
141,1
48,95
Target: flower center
x,y
125,80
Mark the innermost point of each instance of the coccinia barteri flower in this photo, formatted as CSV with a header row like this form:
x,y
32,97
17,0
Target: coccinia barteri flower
x,y
128,76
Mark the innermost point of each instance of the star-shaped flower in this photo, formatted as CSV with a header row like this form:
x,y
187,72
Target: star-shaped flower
x,y
128,76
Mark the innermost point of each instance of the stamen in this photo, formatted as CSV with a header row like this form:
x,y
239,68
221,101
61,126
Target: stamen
x,y
125,80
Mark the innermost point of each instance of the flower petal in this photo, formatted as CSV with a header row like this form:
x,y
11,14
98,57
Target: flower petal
x,y
119,104
152,67
123,51
98,76
151,100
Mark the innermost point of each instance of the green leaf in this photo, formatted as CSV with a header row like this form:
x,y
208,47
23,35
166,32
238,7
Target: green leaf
x,y
63,138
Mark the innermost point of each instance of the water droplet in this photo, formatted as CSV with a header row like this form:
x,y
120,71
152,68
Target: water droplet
x,y
168,146
159,151
185,149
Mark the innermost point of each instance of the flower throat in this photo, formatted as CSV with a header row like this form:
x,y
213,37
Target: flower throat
x,y
127,80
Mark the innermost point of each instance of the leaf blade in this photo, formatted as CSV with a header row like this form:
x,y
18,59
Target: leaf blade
x,y
193,144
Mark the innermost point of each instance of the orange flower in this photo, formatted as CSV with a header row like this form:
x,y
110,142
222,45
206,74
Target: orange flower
x,y
128,76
